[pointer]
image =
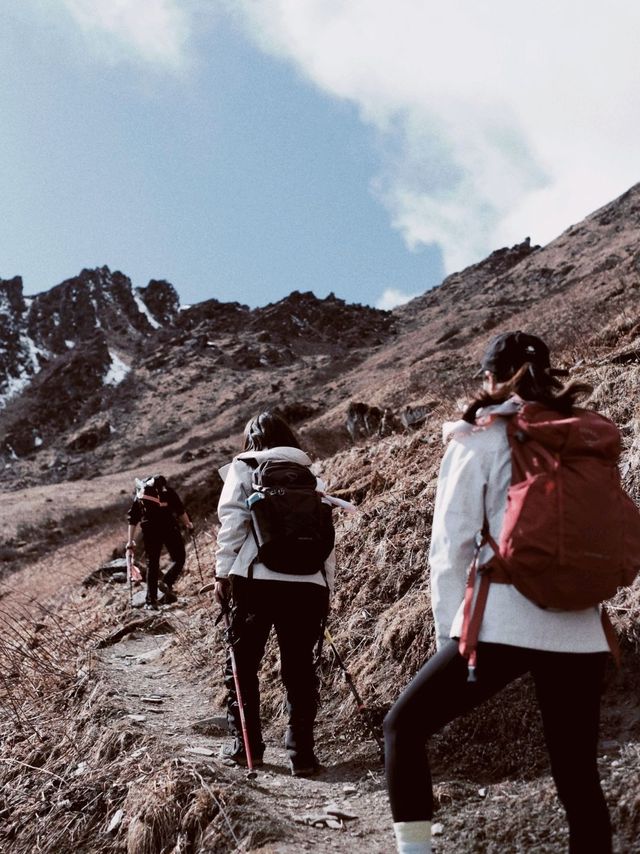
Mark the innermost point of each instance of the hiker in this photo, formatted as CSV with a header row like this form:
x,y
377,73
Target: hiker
x,y
565,651
158,509
293,600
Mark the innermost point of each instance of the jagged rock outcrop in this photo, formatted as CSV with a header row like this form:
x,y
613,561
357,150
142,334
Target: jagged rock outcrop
x,y
63,394
38,329
12,307
18,355
72,311
161,300
90,435
213,318
364,421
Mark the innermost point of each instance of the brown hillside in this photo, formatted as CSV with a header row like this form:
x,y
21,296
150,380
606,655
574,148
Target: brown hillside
x,y
69,690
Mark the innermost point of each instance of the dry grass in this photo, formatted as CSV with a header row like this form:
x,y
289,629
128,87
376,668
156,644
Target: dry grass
x,y
70,761
76,773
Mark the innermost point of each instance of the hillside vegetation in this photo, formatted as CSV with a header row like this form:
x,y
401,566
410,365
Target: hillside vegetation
x,y
81,772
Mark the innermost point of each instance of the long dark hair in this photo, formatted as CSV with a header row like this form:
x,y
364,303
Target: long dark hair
x,y
531,382
268,430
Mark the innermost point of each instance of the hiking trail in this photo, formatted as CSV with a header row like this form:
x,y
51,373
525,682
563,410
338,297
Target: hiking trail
x,y
157,688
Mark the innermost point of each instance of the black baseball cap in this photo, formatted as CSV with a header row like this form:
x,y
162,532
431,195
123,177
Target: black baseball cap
x,y
509,351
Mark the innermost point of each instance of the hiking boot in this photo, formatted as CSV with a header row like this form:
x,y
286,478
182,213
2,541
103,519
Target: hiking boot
x,y
151,606
304,769
234,753
168,596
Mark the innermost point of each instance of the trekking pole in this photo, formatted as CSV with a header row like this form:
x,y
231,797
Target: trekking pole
x,y
364,711
236,680
129,558
347,676
195,546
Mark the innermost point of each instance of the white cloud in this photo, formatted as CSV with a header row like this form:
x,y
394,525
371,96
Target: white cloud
x,y
154,31
496,120
393,297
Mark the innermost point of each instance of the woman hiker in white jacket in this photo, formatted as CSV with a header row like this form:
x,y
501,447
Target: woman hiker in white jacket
x,y
296,605
565,652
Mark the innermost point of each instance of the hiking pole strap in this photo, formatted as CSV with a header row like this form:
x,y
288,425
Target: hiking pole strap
x,y
611,635
473,612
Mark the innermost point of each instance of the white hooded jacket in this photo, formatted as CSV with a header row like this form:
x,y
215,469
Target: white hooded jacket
x,y
237,548
475,474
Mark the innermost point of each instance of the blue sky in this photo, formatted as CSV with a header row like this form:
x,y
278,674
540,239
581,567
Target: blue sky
x,y
236,179
243,149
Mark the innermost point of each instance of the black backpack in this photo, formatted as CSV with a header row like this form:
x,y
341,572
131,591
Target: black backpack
x,y
152,492
291,524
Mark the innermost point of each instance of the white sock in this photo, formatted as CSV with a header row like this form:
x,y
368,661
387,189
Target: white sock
x,y
413,837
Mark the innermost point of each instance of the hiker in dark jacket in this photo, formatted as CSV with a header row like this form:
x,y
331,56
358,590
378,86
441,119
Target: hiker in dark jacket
x,y
564,651
157,508
294,604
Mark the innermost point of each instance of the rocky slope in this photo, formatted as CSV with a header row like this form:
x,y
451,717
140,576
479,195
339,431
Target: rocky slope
x,y
92,362
368,391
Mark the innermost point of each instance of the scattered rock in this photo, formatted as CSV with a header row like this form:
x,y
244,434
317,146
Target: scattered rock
x,y
340,812
413,417
90,436
155,624
139,598
106,572
333,817
115,822
216,725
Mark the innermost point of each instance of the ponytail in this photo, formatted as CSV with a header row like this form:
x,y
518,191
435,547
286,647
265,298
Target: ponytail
x,y
532,383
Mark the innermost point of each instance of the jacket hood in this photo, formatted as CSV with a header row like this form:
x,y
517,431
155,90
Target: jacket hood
x,y
484,417
291,455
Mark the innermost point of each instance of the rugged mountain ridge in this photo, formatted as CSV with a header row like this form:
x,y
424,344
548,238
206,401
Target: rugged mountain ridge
x,y
96,304
99,366
68,354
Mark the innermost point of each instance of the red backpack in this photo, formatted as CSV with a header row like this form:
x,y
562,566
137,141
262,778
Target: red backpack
x,y
571,535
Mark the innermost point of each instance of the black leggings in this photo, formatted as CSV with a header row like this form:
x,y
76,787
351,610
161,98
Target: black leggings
x,y
155,537
568,688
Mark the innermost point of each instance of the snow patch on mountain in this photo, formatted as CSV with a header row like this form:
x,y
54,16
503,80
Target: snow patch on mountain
x,y
28,366
118,370
142,308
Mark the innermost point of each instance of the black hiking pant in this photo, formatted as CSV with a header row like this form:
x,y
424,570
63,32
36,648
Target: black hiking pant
x,y
155,537
297,611
568,688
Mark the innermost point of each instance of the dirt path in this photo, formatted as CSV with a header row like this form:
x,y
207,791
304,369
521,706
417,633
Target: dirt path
x,y
158,693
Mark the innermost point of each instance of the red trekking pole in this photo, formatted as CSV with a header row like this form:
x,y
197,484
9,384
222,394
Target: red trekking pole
x,y
243,722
